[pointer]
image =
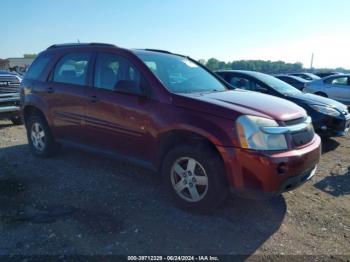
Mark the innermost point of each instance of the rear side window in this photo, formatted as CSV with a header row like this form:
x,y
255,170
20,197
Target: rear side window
x,y
72,69
37,67
240,82
244,83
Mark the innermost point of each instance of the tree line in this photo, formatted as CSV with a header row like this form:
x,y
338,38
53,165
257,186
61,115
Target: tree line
x,y
268,67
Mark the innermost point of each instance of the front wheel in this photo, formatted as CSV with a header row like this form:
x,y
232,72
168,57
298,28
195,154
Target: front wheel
x,y
195,177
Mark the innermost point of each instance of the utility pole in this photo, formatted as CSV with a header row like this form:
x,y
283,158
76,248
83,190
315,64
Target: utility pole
x,y
312,62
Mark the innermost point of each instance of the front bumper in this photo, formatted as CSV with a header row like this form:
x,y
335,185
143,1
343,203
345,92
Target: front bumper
x,y
263,174
9,112
9,105
332,126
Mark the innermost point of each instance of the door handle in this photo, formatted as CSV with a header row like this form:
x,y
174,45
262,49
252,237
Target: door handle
x,y
94,99
50,90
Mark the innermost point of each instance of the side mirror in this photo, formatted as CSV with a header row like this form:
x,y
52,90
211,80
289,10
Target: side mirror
x,y
128,87
262,90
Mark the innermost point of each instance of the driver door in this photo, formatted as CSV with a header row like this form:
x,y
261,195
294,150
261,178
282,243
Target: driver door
x,y
119,120
339,89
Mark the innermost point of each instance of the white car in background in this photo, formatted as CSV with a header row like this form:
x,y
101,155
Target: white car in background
x,y
336,87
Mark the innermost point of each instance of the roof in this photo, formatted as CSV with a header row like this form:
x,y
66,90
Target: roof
x,y
293,77
158,51
80,45
74,45
245,72
336,76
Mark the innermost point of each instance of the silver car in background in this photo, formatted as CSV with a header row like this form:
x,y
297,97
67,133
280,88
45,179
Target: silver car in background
x,y
336,87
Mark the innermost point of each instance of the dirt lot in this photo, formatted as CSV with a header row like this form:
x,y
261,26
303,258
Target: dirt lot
x,y
80,203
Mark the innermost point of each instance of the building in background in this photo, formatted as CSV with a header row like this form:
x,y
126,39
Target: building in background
x,y
4,64
18,64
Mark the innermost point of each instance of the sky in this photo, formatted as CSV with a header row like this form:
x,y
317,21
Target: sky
x,y
288,30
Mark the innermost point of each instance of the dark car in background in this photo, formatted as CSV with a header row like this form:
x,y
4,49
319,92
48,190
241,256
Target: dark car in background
x,y
169,113
295,81
329,117
9,97
306,76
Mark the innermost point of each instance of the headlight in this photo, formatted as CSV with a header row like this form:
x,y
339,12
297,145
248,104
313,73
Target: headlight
x,y
251,136
326,110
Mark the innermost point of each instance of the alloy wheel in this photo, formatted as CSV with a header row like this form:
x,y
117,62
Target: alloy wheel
x,y
37,136
189,179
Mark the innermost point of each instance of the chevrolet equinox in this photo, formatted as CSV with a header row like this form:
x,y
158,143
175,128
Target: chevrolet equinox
x,y
167,112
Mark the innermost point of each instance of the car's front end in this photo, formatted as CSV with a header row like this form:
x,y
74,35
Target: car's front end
x,y
330,121
10,98
329,117
274,147
274,156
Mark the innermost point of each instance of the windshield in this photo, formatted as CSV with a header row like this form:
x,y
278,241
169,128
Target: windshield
x,y
180,74
277,85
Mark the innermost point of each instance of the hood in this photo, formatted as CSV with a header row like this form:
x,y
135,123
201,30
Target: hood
x,y
311,99
253,103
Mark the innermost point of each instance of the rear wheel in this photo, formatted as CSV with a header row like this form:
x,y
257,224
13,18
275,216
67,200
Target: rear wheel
x,y
39,135
321,94
195,178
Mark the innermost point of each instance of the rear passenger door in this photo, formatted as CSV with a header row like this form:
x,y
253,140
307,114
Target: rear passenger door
x,y
66,96
119,113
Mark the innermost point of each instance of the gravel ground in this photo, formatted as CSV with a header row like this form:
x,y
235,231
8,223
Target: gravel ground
x,y
80,203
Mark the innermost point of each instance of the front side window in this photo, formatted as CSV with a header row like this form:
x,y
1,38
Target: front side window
x,y
72,69
111,69
179,74
339,81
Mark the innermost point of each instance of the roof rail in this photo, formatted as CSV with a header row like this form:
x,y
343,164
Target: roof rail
x,y
158,50
80,44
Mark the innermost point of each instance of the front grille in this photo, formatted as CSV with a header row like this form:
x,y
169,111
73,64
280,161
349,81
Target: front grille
x,y
8,83
9,100
12,89
302,137
15,103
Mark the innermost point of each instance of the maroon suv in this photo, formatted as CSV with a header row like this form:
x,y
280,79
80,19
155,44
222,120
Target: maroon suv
x,y
169,113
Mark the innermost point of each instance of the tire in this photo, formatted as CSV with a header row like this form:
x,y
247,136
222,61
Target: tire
x,y
321,94
38,130
208,196
16,120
